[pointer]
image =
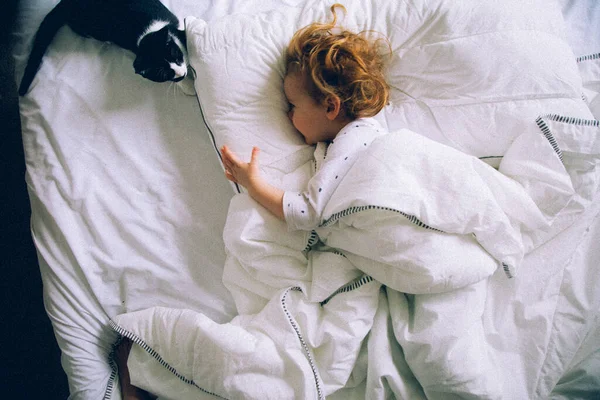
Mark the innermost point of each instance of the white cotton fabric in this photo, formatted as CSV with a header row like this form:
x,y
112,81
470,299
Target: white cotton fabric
x,y
589,67
465,108
129,201
325,328
462,107
312,302
127,198
304,210
583,25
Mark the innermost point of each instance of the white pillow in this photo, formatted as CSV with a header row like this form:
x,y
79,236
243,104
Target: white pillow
x,y
473,75
239,68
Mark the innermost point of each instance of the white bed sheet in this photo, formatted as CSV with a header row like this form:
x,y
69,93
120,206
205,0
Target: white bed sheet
x,y
88,122
583,22
108,155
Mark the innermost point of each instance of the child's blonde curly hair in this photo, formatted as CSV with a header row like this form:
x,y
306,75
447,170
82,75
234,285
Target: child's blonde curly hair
x,y
340,63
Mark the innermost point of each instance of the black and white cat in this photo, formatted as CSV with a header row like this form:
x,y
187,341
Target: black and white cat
x,y
146,27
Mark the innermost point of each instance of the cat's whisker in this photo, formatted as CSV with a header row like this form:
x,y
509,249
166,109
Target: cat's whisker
x,y
174,87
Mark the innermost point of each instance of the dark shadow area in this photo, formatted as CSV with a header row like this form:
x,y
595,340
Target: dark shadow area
x,y
32,368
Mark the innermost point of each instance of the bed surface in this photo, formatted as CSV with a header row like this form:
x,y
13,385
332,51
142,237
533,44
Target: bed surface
x,y
129,204
583,25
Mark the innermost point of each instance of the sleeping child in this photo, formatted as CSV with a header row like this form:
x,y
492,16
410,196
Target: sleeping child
x,y
335,84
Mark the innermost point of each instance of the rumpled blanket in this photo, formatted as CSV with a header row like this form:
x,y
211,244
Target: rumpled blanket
x,y
385,298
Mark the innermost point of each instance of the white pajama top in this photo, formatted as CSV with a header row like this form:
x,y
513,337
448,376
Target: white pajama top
x,y
303,210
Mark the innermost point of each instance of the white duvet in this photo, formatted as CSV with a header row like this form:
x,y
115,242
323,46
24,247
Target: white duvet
x,y
307,310
411,235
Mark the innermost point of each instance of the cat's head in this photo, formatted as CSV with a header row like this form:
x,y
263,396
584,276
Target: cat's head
x,y
162,56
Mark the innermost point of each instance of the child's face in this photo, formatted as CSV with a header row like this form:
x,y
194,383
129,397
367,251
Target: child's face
x,y
308,116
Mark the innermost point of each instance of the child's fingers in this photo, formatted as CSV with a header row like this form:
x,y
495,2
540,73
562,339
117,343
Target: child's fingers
x,y
229,176
254,156
229,156
228,162
233,157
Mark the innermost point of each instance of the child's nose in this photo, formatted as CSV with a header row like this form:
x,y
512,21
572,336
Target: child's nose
x,y
291,115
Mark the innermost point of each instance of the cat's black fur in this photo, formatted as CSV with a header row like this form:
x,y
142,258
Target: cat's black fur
x,y
160,55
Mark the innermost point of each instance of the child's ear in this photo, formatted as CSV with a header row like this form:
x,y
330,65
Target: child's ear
x,y
334,106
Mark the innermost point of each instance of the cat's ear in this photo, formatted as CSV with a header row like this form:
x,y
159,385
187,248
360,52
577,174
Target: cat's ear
x,y
163,34
181,36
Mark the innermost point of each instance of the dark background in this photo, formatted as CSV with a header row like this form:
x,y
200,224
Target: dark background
x,y
30,358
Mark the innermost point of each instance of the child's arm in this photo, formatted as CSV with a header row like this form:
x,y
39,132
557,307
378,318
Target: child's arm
x,y
248,175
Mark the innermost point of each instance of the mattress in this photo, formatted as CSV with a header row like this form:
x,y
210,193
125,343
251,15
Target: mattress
x,y
129,204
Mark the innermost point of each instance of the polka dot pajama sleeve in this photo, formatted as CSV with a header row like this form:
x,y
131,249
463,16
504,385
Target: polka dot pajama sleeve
x,y
304,210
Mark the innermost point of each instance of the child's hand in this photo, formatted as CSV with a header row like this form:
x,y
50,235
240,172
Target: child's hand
x,y
245,174
248,175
